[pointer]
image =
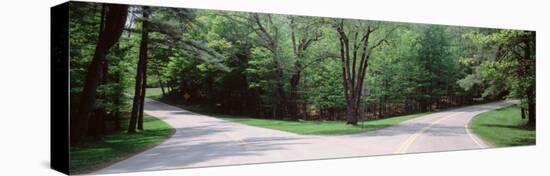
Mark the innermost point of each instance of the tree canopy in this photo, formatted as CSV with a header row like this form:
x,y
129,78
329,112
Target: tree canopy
x,y
285,67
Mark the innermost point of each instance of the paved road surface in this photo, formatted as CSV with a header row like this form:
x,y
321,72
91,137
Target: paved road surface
x,y
202,141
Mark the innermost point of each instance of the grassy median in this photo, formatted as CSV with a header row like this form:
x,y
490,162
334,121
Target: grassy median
x,y
319,127
503,127
307,127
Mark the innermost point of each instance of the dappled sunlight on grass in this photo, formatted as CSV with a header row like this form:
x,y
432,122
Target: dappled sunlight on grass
x,y
504,127
118,146
154,93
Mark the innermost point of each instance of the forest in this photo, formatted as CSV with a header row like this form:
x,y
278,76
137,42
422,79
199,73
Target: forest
x,y
284,67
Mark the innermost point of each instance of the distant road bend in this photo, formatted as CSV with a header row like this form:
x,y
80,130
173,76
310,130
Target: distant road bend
x,y
202,141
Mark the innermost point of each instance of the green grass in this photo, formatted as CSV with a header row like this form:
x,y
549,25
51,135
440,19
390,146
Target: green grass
x,y
153,93
319,127
118,146
503,127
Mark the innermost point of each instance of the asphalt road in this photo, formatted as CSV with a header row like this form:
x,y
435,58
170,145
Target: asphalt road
x,y
202,141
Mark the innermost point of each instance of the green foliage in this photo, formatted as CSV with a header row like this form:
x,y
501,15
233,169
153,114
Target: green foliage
x,y
508,70
259,69
393,73
84,29
416,64
327,87
435,63
468,82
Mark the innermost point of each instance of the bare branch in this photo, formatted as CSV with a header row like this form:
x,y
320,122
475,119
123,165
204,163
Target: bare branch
x,y
383,40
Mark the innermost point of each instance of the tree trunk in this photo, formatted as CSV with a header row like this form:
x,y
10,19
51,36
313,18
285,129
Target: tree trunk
x,y
99,119
526,69
304,111
137,94
380,107
531,108
117,77
274,110
351,114
113,21
143,93
101,112
282,99
136,106
293,104
522,113
162,88
354,65
117,102
530,68
117,120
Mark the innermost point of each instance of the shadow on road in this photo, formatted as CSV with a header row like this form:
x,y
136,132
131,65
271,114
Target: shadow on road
x,y
188,146
434,130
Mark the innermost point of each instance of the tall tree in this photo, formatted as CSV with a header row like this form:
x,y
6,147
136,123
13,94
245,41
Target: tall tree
x,y
268,32
391,75
525,71
304,32
139,92
357,42
511,70
110,30
434,61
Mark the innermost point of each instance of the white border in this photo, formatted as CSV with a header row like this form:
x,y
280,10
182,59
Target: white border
x,y
25,86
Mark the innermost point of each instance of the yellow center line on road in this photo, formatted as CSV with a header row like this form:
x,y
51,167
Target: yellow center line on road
x,y
405,145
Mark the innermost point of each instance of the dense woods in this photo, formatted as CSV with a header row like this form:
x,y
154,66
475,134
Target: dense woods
x,y
284,67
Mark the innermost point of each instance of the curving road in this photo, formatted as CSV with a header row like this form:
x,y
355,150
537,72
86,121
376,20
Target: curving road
x,y
202,141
